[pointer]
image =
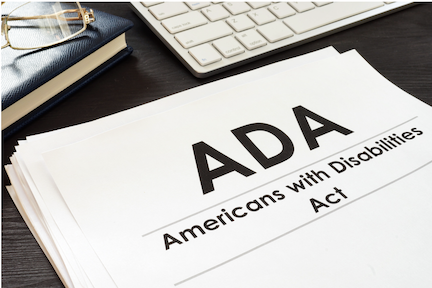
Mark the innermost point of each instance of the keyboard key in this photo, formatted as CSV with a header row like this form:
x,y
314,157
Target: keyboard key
x,y
251,39
275,31
148,4
215,13
319,4
256,5
166,10
237,7
240,23
327,14
202,34
197,5
205,54
302,6
228,46
183,22
282,10
261,16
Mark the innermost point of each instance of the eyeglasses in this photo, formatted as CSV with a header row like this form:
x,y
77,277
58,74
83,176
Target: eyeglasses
x,y
36,25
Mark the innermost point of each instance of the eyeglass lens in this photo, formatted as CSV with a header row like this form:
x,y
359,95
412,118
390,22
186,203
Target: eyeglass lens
x,y
38,24
3,36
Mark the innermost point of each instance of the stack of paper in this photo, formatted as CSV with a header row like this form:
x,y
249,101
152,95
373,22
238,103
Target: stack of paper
x,y
314,172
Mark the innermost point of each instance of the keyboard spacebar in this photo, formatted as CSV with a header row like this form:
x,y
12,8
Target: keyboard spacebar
x,y
325,15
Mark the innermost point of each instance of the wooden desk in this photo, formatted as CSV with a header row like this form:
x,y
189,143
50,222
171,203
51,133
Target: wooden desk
x,y
399,46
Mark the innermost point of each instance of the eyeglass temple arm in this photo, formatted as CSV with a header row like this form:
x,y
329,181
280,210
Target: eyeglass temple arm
x,y
88,16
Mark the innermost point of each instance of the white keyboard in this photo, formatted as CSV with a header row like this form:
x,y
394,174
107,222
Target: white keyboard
x,y
212,37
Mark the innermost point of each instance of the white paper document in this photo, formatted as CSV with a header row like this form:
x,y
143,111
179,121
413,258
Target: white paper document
x,y
44,209
318,176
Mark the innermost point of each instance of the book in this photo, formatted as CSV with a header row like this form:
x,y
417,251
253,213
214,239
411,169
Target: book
x,y
33,81
311,187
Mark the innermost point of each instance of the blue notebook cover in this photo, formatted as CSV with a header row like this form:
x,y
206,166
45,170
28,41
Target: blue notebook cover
x,y
25,70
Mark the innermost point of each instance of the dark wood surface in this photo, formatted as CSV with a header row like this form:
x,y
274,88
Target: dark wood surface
x,y
399,46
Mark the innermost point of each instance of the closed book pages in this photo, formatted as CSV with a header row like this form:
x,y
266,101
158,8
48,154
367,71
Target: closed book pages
x,y
33,81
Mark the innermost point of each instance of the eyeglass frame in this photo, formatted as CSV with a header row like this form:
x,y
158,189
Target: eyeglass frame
x,y
87,17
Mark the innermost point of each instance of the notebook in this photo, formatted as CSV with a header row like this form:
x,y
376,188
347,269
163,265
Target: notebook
x,y
33,81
